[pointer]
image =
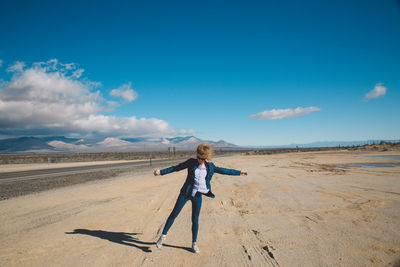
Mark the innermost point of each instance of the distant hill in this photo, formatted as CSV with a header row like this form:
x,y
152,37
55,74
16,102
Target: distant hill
x,y
331,144
22,144
63,144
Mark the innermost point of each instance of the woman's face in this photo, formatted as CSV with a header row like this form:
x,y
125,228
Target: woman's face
x,y
200,159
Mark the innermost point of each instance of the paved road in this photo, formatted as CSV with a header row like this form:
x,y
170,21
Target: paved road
x,y
33,174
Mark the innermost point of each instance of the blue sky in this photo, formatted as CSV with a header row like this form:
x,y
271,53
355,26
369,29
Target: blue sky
x,y
168,68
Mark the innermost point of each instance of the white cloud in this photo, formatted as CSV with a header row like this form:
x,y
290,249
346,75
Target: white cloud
x,y
125,91
18,66
1,63
378,91
277,114
50,98
77,73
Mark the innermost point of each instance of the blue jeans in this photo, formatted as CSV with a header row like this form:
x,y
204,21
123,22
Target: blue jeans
x,y
180,202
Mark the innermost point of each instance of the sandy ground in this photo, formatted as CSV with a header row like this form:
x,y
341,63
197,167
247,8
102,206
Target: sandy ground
x,y
291,210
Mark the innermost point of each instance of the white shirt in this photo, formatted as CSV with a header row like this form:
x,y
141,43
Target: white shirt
x,y
200,181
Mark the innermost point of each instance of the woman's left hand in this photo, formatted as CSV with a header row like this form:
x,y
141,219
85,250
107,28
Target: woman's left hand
x,y
243,173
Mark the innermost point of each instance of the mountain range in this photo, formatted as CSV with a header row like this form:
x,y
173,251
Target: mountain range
x,y
330,144
63,144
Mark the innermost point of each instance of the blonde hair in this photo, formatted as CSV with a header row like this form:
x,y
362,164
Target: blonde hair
x,y
205,151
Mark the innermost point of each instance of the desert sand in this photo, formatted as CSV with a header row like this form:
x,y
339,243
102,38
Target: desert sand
x,y
293,209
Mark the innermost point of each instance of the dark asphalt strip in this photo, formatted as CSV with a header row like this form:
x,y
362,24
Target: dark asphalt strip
x,y
34,174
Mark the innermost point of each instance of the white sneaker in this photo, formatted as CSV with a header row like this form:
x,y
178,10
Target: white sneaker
x,y
195,248
160,241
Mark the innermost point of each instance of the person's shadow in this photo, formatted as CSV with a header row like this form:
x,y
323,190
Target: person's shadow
x,y
122,238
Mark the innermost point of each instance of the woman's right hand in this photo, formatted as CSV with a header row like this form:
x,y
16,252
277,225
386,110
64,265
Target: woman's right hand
x,y
157,172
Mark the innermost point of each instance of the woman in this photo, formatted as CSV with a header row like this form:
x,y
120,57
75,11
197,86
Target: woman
x,y
197,183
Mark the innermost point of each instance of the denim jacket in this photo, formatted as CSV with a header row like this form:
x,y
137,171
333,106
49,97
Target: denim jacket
x,y
191,165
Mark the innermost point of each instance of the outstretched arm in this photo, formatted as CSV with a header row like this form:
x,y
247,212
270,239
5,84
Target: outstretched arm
x,y
175,168
228,171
